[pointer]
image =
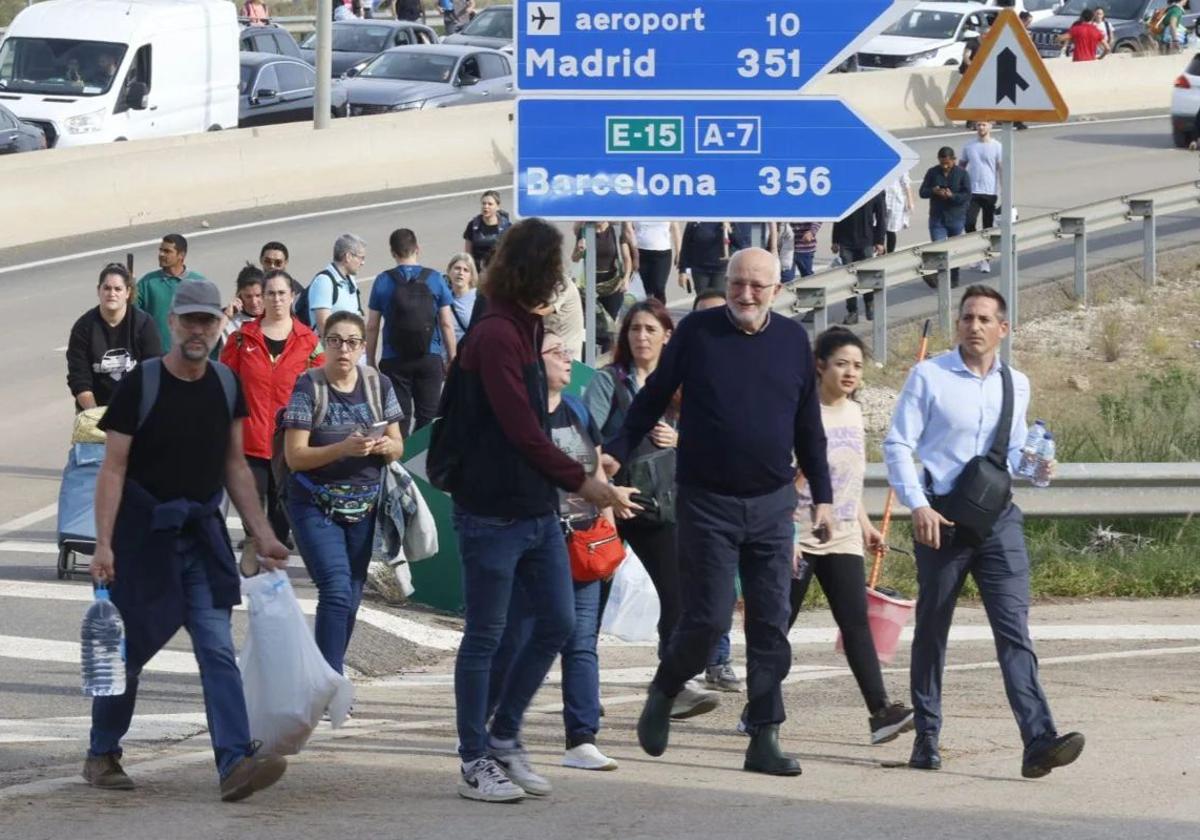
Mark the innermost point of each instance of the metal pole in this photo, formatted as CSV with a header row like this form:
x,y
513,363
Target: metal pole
x,y
1008,263
944,303
1081,267
589,293
321,105
1149,257
756,239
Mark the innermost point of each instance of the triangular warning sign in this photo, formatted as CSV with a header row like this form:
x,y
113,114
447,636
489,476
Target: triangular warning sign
x,y
1007,79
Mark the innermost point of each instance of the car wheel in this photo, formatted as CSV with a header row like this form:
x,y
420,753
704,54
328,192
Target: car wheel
x,y
213,127
1181,138
1128,48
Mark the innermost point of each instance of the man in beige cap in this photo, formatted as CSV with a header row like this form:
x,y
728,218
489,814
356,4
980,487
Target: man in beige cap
x,y
174,442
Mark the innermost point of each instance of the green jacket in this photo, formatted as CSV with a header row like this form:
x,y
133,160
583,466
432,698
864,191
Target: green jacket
x,y
155,292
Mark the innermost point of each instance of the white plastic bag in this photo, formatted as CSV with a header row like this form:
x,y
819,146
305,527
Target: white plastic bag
x,y
632,611
420,532
287,682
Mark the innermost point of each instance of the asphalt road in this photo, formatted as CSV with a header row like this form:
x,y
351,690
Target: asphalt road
x,y
1141,755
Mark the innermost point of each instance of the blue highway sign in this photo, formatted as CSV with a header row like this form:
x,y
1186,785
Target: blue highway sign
x,y
696,158
700,46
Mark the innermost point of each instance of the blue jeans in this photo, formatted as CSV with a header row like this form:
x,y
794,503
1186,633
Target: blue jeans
x,y
580,663
721,652
942,228
497,552
804,263
336,557
212,641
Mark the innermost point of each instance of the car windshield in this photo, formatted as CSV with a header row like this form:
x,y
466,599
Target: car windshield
x,y
923,23
59,66
1113,9
355,37
410,66
491,23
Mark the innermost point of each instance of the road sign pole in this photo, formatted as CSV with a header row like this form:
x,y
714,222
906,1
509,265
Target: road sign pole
x,y
591,316
321,104
1008,261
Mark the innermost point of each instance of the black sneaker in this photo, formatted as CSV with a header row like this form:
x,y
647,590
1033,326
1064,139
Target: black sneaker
x,y
889,722
1044,755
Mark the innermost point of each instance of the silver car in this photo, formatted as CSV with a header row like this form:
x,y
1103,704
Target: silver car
x,y
437,76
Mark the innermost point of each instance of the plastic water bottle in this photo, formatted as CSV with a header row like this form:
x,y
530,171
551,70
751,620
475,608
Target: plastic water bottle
x,y
102,657
1041,473
1029,452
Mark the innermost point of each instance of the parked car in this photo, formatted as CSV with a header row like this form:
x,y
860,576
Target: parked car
x,y
1127,17
278,89
439,76
94,71
492,28
1185,105
354,41
930,35
269,38
17,136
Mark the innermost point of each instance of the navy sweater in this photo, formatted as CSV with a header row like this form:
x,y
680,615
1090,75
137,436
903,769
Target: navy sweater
x,y
749,403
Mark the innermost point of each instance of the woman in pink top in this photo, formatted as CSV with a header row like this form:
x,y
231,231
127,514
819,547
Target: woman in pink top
x,y
838,562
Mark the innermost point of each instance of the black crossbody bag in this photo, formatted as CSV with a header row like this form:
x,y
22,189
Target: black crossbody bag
x,y
983,489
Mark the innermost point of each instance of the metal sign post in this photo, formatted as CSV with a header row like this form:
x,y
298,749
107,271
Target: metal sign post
x,y
589,292
1008,251
322,101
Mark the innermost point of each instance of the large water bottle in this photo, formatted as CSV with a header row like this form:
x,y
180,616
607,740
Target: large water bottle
x,y
102,657
1029,452
1041,473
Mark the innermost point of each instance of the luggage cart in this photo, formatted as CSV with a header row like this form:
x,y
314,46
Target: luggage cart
x,y
76,508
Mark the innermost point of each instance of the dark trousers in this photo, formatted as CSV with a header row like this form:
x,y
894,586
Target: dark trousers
x,y
720,536
845,585
654,544
655,268
418,385
852,255
985,204
890,243
703,280
1000,567
268,496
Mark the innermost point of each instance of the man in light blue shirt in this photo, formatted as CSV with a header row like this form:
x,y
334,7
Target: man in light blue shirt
x,y
981,158
334,288
947,414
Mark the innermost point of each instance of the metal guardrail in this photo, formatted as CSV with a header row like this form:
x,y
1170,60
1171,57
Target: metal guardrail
x,y
913,264
1085,491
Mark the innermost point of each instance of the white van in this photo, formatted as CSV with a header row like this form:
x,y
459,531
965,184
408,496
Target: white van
x,y
93,71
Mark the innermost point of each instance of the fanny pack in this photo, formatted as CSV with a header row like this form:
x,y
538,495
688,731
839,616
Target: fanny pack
x,y
983,490
345,504
595,551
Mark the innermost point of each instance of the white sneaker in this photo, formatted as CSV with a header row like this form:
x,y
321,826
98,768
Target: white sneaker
x,y
983,266
514,761
587,757
483,781
690,702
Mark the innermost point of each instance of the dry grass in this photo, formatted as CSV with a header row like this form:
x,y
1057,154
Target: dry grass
x,y
1111,338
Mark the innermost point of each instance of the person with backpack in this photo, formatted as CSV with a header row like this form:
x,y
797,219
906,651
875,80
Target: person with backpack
x,y
340,428
335,288
174,445
413,305
268,355
108,341
492,451
614,261
1167,27
484,231
464,280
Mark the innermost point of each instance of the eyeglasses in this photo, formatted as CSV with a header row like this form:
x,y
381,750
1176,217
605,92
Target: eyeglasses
x,y
337,342
755,288
361,255
558,353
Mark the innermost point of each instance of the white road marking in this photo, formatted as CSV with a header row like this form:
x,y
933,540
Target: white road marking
x,y
62,349
29,546
21,522
1036,127
161,727
279,220
67,653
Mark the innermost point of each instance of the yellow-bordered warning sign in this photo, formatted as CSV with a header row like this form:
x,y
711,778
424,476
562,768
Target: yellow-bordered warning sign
x,y
1007,79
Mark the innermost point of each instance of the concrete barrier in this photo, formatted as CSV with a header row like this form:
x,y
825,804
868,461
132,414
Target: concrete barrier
x,y
95,188
905,99
99,188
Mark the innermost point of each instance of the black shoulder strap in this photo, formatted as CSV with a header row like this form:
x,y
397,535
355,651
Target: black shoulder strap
x,y
228,385
151,377
998,454
458,317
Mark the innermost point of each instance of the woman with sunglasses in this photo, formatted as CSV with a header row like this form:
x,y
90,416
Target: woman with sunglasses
x,y
342,427
108,340
268,354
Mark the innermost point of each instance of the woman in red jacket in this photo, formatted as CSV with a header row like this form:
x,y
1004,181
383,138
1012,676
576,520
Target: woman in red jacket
x,y
268,355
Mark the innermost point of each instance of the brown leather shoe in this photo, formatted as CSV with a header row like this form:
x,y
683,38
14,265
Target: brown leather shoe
x,y
105,772
252,774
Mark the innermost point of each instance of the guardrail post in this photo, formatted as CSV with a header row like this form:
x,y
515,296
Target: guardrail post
x,y
1144,207
940,261
812,299
873,279
1076,226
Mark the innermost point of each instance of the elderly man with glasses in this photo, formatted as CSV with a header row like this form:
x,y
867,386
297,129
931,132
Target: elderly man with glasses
x,y
736,494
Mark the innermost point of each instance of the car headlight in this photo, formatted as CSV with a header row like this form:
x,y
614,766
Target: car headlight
x,y
925,56
409,106
86,123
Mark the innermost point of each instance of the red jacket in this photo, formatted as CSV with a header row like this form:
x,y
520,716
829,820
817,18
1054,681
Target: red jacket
x,y
267,386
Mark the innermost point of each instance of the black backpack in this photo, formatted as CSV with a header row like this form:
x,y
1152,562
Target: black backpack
x,y
300,308
411,316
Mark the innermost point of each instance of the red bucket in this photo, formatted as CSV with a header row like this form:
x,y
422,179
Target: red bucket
x,y
886,616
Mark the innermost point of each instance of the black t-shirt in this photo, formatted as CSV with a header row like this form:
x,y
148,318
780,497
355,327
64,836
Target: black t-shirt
x,y
275,346
483,238
180,451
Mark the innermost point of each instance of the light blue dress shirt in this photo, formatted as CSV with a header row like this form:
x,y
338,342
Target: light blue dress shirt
x,y
945,416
